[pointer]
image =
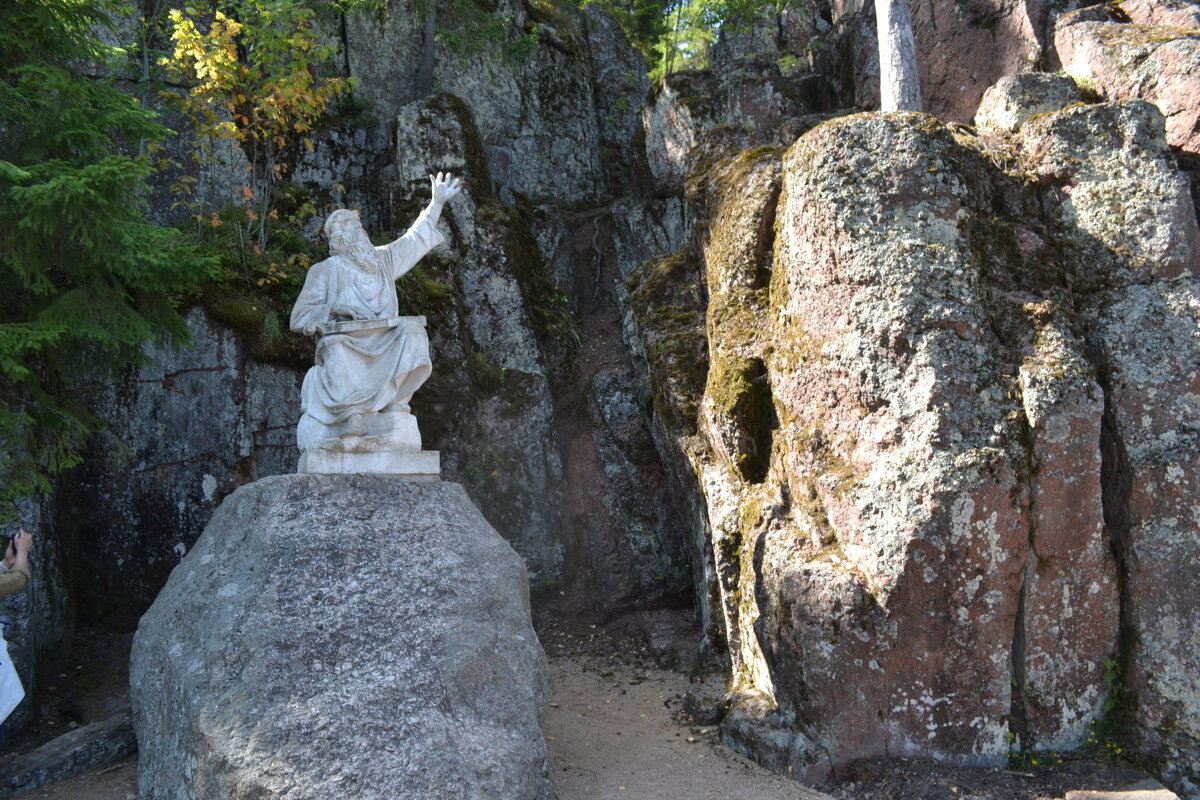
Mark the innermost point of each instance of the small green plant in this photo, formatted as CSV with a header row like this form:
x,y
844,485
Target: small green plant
x,y
1034,759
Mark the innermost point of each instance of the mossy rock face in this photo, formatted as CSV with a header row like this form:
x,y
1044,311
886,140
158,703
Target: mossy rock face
x,y
740,415
667,297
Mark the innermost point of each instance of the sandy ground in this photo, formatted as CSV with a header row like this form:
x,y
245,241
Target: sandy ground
x,y
613,733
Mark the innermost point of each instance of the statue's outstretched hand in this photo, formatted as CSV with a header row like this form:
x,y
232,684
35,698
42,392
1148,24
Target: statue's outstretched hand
x,y
445,187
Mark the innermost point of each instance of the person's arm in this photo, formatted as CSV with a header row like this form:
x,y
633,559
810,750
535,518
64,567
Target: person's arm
x,y
17,560
14,581
423,235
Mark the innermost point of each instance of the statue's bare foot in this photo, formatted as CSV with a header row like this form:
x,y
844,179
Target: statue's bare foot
x,y
355,426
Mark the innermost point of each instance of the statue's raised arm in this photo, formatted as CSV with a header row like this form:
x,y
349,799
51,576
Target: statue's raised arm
x,y
423,235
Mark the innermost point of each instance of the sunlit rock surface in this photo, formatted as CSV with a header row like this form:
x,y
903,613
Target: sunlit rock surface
x,y
908,448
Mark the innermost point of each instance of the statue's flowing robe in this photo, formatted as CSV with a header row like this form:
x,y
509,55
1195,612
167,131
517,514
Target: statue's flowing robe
x,y
364,371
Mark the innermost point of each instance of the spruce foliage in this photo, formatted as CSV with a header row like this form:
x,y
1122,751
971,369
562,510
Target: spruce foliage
x,y
86,279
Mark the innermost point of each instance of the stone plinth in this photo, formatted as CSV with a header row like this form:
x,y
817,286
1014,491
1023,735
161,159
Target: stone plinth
x,y
416,465
337,636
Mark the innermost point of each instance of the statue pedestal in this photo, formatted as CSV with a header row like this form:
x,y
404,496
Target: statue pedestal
x,y
422,466
389,444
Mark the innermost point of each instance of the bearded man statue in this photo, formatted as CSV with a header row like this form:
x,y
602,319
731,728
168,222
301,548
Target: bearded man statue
x,y
354,402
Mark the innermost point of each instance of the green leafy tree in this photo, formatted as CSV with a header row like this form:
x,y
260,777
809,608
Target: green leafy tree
x,y
675,35
87,279
645,23
258,74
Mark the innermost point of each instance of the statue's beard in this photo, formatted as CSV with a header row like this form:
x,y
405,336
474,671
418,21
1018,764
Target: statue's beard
x,y
365,257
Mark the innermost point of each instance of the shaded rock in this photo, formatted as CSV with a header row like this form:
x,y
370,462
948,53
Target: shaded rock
x,y
619,86
665,333
145,492
621,535
1013,99
530,88
750,95
704,709
636,545
381,620
678,110
488,406
1156,59
72,753
669,633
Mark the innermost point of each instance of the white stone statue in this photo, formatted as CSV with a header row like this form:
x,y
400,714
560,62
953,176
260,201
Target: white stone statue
x,y
354,402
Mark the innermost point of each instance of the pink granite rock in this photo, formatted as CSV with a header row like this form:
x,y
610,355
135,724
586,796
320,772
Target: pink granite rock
x,y
962,49
1154,58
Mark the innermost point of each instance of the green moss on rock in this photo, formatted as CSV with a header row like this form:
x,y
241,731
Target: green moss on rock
x,y
739,398
668,303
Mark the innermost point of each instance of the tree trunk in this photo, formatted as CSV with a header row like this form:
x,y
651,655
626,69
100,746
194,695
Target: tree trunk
x,y
899,86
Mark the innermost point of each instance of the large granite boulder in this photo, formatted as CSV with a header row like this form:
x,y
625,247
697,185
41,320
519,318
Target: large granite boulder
x,y
925,462
341,636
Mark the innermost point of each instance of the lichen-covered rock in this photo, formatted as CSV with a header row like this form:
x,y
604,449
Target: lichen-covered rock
x,y
678,110
1152,59
530,88
1013,99
1149,339
665,333
364,616
619,87
1142,323
1057,649
902,454
748,95
764,31
922,565
1124,209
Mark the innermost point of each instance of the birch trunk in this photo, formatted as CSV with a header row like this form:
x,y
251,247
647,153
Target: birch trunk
x,y
899,86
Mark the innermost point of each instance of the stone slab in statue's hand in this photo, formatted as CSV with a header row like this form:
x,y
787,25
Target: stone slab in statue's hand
x,y
445,187
340,312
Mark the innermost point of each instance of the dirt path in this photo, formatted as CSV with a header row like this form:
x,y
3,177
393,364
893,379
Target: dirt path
x,y
613,733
